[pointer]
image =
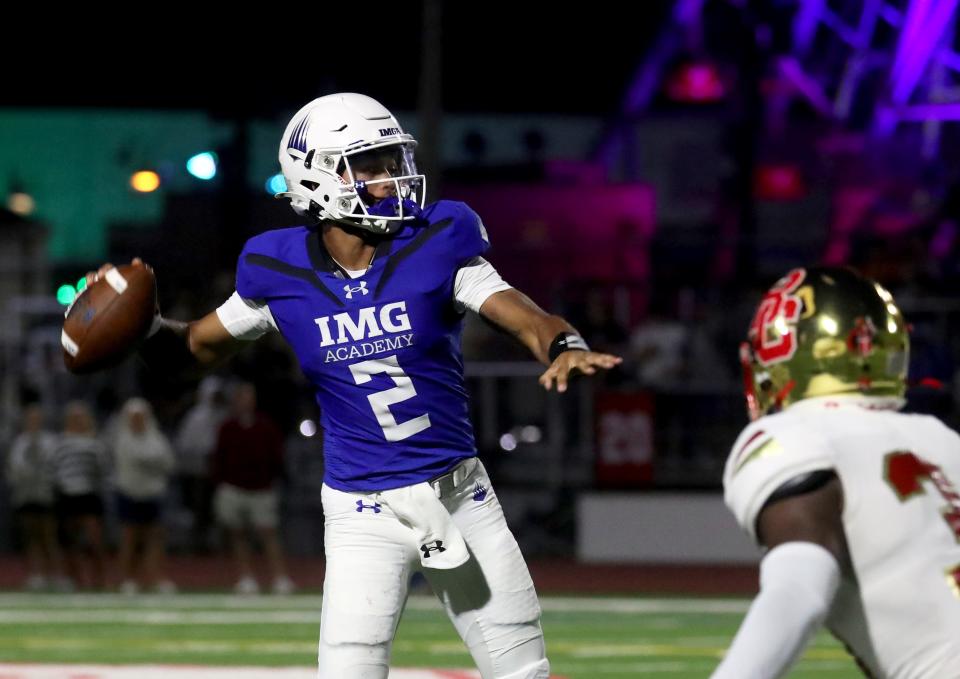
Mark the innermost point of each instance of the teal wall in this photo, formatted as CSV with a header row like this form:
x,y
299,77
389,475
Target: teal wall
x,y
77,163
77,166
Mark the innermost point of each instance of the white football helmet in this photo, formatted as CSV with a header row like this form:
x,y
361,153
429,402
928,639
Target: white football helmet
x,y
323,145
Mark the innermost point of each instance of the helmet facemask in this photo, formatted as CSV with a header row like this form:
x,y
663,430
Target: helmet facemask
x,y
405,188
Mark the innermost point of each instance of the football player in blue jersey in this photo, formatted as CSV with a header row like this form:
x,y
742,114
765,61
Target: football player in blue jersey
x,y
371,294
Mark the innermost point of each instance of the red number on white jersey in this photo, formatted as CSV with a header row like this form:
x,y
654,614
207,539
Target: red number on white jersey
x,y
906,472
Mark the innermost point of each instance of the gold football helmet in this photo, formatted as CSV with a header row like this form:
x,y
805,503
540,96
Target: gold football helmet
x,y
821,331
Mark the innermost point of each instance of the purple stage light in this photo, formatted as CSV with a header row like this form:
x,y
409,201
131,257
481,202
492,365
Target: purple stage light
x,y
926,23
924,112
805,23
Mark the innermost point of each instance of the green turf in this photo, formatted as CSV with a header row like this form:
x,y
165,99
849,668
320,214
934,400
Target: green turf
x,y
587,638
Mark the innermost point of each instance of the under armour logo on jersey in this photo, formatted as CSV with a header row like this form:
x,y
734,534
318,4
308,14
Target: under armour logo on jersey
x,y
362,289
375,507
437,546
479,493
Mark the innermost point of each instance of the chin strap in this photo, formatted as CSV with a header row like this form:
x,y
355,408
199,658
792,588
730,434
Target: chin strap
x,y
394,207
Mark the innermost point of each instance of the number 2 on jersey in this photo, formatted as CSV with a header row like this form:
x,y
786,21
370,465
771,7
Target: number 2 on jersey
x,y
381,401
906,472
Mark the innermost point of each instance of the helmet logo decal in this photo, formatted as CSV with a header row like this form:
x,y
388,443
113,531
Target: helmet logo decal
x,y
389,131
298,138
860,340
773,331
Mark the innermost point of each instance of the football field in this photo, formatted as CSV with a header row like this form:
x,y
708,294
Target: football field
x,y
198,636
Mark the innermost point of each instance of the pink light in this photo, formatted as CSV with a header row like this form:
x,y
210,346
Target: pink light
x,y
779,182
696,83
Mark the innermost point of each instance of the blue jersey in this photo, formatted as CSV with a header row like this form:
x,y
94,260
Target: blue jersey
x,y
382,350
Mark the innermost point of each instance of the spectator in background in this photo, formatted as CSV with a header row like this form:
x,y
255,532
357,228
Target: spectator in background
x,y
144,462
107,406
246,465
79,473
597,324
31,495
195,441
676,345
659,346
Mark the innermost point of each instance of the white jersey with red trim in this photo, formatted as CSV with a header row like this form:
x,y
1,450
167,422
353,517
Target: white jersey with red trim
x,y
899,613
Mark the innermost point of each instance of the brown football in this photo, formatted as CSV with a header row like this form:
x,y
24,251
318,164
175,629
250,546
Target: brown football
x,y
108,319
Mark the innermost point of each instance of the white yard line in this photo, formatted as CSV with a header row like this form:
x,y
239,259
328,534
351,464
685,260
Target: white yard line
x,y
167,608
15,671
147,617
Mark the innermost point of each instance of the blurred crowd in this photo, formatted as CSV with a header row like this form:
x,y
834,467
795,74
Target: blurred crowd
x,y
692,319
99,502
90,501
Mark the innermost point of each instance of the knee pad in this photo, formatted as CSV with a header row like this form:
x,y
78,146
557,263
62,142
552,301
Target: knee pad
x,y
510,652
353,661
518,652
354,645
537,670
343,628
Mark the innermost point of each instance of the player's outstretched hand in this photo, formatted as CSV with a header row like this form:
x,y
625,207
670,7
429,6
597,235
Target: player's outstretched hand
x,y
586,362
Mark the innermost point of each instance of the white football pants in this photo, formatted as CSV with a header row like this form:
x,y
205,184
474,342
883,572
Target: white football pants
x,y
371,555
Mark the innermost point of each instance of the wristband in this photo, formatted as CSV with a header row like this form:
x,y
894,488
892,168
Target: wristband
x,y
566,341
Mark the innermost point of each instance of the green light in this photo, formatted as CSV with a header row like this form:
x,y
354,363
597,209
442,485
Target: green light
x,y
82,284
66,294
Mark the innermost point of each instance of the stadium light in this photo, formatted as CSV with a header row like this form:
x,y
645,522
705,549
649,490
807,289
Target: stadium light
x,y
66,294
696,83
203,165
276,184
145,181
21,203
779,182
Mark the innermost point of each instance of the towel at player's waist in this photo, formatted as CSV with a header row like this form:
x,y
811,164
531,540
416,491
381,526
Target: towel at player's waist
x,y
419,506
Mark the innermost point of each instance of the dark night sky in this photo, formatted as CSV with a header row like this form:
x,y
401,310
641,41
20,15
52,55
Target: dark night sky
x,y
564,60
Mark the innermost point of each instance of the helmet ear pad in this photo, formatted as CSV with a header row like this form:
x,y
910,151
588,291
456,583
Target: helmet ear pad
x,y
304,206
300,204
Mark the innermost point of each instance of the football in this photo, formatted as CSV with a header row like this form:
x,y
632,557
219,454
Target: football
x,y
108,319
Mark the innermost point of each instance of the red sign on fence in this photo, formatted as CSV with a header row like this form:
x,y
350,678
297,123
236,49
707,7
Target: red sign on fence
x,y
624,439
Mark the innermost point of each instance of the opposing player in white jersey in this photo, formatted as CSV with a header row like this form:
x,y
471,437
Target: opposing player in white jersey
x,y
856,504
370,294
